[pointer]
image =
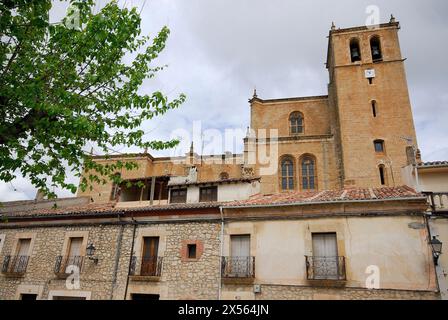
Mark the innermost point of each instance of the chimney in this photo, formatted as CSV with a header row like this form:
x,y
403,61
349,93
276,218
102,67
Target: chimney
x,y
40,195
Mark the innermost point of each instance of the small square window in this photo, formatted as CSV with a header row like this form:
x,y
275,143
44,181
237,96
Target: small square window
x,y
191,251
379,146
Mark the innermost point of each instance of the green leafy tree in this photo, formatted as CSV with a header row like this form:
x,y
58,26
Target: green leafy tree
x,y
65,85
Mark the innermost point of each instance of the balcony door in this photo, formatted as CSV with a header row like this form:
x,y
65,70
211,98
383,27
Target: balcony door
x,y
325,256
21,261
74,253
240,255
149,256
24,247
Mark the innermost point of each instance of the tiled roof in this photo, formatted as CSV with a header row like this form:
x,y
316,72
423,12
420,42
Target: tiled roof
x,y
92,208
107,208
352,194
433,164
175,206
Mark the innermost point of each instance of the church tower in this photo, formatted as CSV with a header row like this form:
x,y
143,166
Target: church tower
x,y
368,93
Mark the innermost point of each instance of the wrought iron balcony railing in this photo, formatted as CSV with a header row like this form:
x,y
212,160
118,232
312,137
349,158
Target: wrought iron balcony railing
x,y
146,266
438,201
66,264
15,265
238,267
325,268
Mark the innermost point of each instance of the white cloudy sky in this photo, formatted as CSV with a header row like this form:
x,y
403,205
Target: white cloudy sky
x,y
219,50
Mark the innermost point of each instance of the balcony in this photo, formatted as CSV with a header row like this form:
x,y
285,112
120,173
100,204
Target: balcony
x,y
144,191
325,269
65,265
15,265
238,269
146,268
438,201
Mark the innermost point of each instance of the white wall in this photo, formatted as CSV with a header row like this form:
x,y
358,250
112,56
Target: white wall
x,y
434,181
401,253
429,179
193,194
240,191
227,191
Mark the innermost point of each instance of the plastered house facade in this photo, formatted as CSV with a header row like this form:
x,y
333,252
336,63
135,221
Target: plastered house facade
x,y
328,215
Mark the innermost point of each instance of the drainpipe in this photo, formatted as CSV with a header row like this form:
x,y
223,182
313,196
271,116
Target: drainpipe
x,y
130,258
221,252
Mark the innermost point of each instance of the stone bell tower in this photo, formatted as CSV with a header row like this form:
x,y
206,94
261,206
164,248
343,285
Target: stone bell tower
x,y
369,94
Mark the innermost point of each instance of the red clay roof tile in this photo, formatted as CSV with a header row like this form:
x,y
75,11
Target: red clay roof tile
x,y
351,194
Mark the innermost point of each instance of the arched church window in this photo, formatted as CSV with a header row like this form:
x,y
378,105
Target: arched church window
x,y
308,173
296,123
287,174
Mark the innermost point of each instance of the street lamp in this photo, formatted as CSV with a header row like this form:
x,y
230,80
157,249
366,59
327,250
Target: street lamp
x,y
436,248
90,251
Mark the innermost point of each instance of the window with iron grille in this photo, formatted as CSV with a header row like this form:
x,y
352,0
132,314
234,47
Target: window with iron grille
x,y
325,264
208,194
18,263
178,196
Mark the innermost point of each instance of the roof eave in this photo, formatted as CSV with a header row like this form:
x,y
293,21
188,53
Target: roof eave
x,y
321,203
